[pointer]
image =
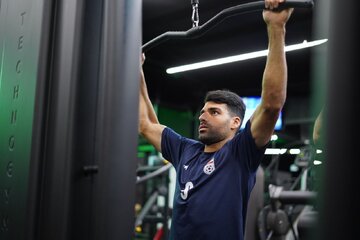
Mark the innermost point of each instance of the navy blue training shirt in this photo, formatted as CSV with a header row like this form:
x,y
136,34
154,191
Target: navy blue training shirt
x,y
212,189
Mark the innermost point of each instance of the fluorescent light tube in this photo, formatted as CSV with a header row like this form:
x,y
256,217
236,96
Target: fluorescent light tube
x,y
275,151
317,162
241,57
295,151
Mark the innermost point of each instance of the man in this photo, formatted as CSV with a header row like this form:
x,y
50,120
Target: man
x,y
216,174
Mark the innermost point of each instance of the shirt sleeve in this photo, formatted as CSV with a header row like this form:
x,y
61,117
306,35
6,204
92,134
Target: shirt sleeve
x,y
246,148
172,145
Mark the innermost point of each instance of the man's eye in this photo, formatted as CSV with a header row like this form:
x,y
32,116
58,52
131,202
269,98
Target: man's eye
x,y
215,112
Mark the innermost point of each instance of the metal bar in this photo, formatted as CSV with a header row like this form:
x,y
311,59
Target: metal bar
x,y
154,174
116,137
149,203
296,197
228,12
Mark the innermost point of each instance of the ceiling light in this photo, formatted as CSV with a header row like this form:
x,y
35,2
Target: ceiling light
x,y
275,151
274,137
294,151
240,57
317,162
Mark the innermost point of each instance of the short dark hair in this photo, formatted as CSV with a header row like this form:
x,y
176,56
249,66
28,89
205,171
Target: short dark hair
x,y
233,101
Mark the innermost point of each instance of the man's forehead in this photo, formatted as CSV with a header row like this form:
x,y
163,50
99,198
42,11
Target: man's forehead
x,y
209,105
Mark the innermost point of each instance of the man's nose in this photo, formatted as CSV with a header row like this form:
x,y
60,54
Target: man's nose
x,y
202,116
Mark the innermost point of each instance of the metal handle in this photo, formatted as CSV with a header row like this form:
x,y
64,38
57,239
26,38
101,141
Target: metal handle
x,y
228,12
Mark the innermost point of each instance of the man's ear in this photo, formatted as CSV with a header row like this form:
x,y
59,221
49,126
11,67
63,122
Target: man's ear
x,y
236,122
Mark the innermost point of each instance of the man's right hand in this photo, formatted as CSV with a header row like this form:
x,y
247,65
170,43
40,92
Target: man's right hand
x,y
273,17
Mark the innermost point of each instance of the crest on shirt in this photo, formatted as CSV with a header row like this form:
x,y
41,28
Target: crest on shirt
x,y
209,167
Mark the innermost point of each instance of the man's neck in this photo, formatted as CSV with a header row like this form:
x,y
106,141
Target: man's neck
x,y
216,146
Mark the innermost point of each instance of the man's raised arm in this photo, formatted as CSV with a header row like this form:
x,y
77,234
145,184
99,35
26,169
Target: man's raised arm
x,y
274,82
149,126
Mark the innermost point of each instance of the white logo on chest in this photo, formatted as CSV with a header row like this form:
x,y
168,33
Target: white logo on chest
x,y
209,167
185,192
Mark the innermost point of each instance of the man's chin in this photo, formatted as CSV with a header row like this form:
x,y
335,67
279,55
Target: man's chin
x,y
201,138
206,141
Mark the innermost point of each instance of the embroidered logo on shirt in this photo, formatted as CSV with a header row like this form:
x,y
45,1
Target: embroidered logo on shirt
x,y
209,167
186,167
185,192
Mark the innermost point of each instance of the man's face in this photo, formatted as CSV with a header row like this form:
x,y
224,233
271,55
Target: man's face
x,y
216,123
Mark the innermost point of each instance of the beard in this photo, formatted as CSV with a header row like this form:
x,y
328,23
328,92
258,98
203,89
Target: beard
x,y
211,137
